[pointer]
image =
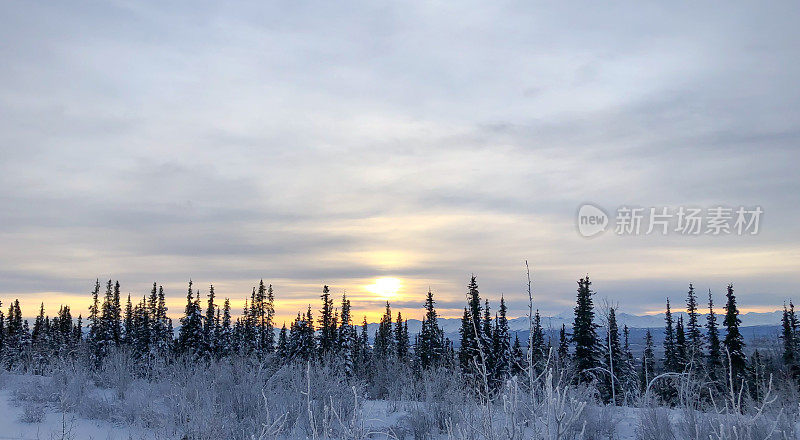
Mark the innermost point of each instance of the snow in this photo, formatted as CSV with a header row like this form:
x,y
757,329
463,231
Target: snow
x,y
54,424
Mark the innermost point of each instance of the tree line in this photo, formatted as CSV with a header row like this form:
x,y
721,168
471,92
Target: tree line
x,y
593,351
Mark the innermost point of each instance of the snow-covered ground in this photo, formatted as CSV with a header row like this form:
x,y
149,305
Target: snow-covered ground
x,y
24,420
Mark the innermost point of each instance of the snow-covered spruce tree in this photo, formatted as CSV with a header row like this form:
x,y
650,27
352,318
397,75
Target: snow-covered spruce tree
x,y
501,345
537,344
16,337
670,349
431,339
302,343
680,345
563,346
140,335
327,327
268,327
486,340
93,339
789,338
471,333
210,337
115,319
363,352
190,337
127,322
714,360
347,340
384,336
612,360
694,332
733,342
518,362
401,340
283,344
162,326
584,333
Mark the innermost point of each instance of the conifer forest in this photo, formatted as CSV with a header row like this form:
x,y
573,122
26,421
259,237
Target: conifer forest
x,y
220,374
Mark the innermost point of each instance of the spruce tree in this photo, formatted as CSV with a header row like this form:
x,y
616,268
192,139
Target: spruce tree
x,y
789,338
283,343
190,336
347,340
327,330
225,337
612,358
116,317
537,343
501,350
210,336
384,337
734,342
680,345
401,340
563,345
518,364
585,333
471,332
714,361
694,333
430,349
670,349
128,330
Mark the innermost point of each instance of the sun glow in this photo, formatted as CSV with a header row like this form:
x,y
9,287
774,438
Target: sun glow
x,y
386,287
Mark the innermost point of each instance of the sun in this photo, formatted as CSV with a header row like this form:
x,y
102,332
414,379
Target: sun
x,y
387,287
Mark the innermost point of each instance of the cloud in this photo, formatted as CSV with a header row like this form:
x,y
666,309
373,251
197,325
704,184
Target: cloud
x,y
312,144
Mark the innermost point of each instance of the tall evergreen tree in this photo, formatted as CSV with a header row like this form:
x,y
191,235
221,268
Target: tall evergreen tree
x,y
327,330
501,350
680,345
402,343
431,340
612,358
537,343
128,330
563,345
283,343
190,336
670,349
347,339
225,337
585,332
518,364
789,338
734,342
116,317
471,333
210,336
714,361
694,333
384,336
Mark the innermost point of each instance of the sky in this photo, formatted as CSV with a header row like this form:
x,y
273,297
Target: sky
x,y
385,148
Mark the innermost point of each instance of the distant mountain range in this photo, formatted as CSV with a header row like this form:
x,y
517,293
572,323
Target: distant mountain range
x,y
750,319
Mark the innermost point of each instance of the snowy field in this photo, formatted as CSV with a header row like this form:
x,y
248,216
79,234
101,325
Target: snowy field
x,y
37,407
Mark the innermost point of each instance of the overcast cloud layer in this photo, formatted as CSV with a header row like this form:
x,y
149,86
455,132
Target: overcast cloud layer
x,y
320,142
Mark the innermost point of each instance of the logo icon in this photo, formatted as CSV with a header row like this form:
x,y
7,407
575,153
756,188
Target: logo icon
x,y
592,220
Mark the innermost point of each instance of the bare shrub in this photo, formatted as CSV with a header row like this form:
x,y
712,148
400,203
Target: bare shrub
x,y
654,424
32,412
